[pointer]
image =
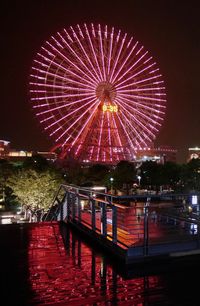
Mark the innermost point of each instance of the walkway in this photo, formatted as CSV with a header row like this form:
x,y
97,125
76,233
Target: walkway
x,y
32,256
38,269
132,233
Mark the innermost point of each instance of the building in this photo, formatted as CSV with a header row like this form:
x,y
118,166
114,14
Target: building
x,y
193,153
13,155
4,148
160,154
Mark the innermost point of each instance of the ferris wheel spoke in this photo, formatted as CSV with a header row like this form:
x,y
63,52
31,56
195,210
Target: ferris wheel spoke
x,y
142,114
77,56
95,75
132,128
70,114
102,53
136,74
147,95
63,87
50,110
59,99
143,89
143,81
47,104
137,134
36,91
64,69
72,63
118,136
148,98
139,123
109,137
133,105
110,51
142,97
100,137
125,61
133,76
117,57
93,52
58,77
134,64
56,108
64,101
86,55
85,125
131,144
75,121
46,119
59,96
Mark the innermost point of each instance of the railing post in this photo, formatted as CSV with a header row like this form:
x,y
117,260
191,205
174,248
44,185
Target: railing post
x,y
146,227
93,215
64,206
79,206
198,234
103,220
114,224
68,205
61,212
73,203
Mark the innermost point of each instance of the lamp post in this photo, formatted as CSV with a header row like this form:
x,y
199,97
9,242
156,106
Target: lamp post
x,y
111,183
139,179
111,189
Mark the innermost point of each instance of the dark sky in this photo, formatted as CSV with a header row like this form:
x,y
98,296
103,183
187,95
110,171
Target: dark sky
x,y
169,30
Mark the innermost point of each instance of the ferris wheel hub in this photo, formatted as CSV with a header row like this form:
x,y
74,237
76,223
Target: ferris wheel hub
x,y
106,92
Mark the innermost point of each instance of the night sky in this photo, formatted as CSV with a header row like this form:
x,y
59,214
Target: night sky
x,y
169,30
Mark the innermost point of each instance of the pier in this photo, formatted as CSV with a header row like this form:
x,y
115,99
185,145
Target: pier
x,y
138,232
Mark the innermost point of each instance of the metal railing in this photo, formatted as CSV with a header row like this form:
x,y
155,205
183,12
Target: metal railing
x,y
124,226
93,209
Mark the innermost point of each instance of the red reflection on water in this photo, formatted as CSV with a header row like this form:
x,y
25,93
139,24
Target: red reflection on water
x,y
74,274
130,225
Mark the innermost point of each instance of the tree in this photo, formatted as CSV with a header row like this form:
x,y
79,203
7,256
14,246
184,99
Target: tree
x,y
124,174
37,162
33,188
74,173
151,174
6,169
190,175
170,174
97,173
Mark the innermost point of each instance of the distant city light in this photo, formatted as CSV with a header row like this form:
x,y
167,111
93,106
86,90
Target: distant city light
x,y
194,200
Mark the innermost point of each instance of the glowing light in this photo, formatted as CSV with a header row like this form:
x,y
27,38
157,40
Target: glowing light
x,y
110,108
97,92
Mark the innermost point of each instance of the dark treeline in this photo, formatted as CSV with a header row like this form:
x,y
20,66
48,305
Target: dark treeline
x,y
35,180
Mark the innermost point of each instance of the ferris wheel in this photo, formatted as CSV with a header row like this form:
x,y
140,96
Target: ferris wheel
x,y
98,93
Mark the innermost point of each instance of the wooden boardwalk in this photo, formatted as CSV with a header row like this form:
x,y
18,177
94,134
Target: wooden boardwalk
x,y
137,233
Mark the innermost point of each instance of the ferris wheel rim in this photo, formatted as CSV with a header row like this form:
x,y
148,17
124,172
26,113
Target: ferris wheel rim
x,y
136,88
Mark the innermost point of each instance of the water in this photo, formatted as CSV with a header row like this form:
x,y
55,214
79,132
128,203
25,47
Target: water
x,y
39,269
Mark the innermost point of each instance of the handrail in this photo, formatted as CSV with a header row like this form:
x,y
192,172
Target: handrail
x,y
113,221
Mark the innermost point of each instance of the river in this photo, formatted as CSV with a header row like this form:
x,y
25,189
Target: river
x,y
39,266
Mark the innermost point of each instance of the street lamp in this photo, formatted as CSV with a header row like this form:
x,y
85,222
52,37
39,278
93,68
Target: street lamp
x,y
139,179
111,182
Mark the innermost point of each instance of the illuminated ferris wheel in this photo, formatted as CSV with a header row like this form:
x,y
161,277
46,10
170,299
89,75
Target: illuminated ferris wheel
x,y
98,93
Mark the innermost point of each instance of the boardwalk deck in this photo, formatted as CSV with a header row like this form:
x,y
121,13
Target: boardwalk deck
x,y
133,234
